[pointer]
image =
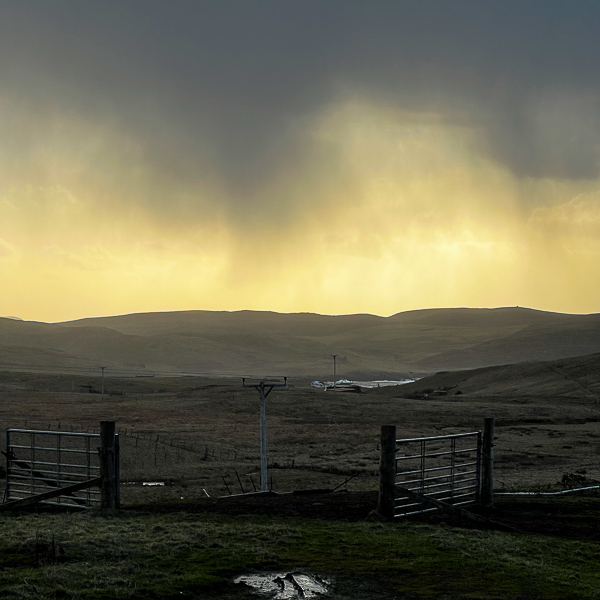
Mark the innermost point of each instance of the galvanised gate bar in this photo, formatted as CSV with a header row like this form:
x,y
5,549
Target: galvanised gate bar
x,y
42,461
443,472
443,468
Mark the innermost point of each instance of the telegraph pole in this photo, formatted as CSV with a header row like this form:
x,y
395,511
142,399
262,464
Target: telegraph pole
x,y
334,356
264,389
102,384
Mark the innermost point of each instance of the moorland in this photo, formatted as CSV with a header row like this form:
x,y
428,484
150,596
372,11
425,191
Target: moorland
x,y
185,421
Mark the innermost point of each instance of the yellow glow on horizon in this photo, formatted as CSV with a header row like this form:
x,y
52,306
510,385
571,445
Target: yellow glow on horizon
x,y
389,211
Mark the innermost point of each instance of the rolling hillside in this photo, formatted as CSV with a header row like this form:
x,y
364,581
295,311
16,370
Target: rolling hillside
x,y
300,344
576,378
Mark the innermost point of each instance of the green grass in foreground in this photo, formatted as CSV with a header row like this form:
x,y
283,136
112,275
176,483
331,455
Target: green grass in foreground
x,y
126,555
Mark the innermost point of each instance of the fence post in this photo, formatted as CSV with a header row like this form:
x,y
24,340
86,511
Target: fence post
x,y
8,465
487,466
387,471
108,470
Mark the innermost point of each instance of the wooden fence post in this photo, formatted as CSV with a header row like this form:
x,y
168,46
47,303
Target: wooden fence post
x,y
387,471
108,469
487,466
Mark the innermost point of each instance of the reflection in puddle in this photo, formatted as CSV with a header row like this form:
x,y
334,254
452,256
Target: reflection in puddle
x,y
282,586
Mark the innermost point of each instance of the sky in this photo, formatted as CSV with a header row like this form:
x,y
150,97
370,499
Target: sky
x,y
334,156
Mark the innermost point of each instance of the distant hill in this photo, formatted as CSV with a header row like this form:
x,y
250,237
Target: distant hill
x,y
567,379
299,344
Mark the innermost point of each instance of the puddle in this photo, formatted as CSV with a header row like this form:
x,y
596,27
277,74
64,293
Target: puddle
x,y
284,586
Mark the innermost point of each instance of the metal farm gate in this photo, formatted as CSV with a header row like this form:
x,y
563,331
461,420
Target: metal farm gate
x,y
55,467
420,475
443,468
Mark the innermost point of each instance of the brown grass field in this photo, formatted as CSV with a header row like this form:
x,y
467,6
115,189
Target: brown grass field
x,y
200,435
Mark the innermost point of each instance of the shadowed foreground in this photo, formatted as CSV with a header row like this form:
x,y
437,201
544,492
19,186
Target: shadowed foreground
x,y
534,549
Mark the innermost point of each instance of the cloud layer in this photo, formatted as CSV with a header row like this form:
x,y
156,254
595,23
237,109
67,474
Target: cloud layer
x,y
327,157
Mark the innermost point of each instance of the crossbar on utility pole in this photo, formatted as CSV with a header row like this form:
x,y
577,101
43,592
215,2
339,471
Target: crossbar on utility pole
x,y
264,388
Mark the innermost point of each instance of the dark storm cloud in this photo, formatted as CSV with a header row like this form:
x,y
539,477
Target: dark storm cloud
x,y
225,87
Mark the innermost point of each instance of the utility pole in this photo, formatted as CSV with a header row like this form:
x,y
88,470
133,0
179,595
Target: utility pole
x,y
264,389
334,356
102,384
